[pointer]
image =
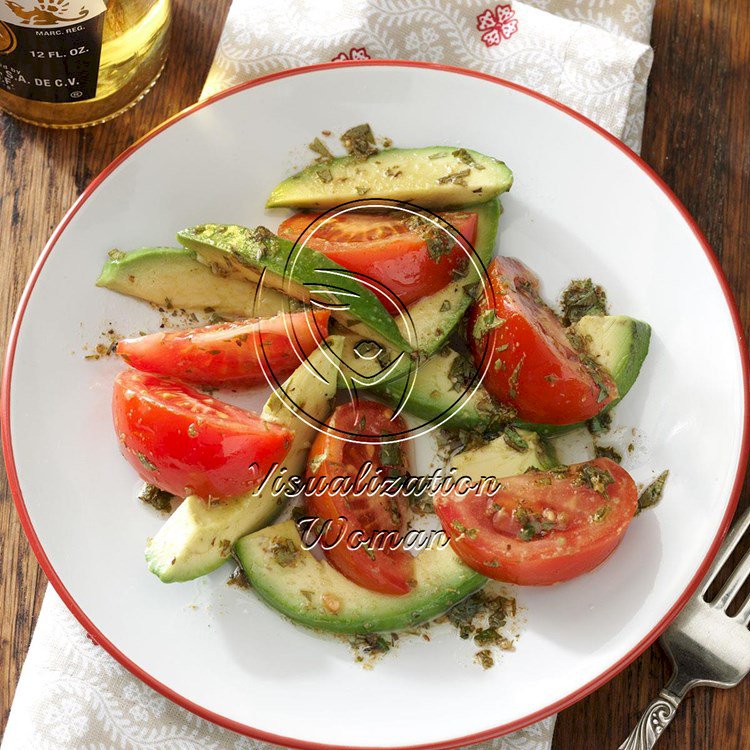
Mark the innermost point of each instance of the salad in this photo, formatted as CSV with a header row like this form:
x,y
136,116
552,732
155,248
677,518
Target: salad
x,y
378,305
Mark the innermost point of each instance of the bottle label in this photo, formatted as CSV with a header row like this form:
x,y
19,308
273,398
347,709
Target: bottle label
x,y
49,51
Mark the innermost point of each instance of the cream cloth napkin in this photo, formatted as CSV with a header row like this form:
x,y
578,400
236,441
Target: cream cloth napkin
x,y
590,54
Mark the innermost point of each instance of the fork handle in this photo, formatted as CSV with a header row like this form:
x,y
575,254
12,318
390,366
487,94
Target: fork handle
x,y
653,722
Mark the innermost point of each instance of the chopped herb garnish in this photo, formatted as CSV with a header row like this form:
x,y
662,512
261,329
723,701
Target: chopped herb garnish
x,y
463,531
534,525
603,390
472,291
486,321
595,478
600,423
466,158
445,306
480,613
457,178
390,455
460,270
582,297
463,614
513,379
157,498
285,552
600,514
438,240
514,440
653,493
461,373
359,142
526,534
372,643
491,637
607,451
321,150
324,175
485,658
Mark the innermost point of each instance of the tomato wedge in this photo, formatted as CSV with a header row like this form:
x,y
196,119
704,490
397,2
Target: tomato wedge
x,y
411,257
532,364
230,353
187,442
387,570
541,527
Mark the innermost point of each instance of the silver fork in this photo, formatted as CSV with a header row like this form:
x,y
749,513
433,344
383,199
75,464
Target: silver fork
x,y
705,645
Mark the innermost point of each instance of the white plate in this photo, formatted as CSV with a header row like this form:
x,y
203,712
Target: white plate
x,y
582,205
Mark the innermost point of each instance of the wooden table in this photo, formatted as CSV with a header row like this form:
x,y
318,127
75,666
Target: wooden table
x,y
697,136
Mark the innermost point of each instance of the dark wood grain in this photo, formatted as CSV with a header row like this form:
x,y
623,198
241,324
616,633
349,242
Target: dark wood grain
x,y
697,136
41,173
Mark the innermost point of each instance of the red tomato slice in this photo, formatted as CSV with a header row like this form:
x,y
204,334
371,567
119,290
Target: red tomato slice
x,y
541,527
187,442
390,571
388,247
532,364
230,353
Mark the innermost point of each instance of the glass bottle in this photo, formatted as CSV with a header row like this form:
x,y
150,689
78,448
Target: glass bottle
x,y
70,63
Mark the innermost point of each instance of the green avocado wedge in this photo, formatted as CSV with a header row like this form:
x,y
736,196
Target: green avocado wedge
x,y
299,272
173,277
503,457
314,594
440,394
436,177
430,320
197,538
620,345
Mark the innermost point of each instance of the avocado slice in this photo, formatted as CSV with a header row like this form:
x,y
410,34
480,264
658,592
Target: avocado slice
x,y
617,342
197,537
431,319
174,277
257,254
438,395
434,177
314,594
620,345
499,458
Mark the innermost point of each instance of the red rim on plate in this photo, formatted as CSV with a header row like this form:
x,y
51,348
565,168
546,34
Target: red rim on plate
x,y
235,726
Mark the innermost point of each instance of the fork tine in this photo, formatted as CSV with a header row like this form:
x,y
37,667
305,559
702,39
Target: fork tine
x,y
744,614
734,583
733,538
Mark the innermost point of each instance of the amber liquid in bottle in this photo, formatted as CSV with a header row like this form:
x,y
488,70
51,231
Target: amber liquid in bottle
x,y
117,58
